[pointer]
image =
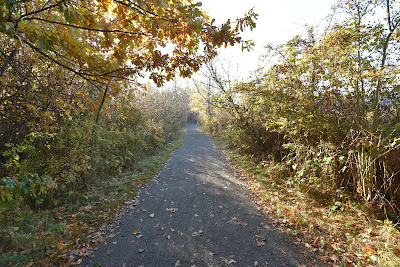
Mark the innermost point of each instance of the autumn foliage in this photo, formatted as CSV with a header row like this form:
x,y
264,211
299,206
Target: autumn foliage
x,y
324,108
75,105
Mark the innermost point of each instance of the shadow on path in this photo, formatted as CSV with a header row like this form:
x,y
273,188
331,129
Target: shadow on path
x,y
195,213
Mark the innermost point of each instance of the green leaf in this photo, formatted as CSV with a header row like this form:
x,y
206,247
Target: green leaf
x,y
390,214
68,16
198,25
9,4
1,15
60,7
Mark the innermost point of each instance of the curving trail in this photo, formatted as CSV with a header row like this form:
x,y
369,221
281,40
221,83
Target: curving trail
x,y
195,213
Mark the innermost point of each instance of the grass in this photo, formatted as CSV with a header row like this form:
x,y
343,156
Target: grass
x,y
342,230
56,236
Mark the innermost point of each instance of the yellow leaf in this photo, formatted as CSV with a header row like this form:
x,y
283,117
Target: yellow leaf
x,y
31,107
61,245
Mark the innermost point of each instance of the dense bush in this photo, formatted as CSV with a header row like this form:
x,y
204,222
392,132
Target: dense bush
x,y
80,151
327,109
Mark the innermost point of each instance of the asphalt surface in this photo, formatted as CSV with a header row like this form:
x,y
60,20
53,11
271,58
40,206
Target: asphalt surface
x,y
196,213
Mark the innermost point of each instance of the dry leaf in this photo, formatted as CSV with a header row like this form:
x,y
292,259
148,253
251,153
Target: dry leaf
x,y
316,241
396,250
136,232
284,254
370,249
325,258
231,261
260,244
73,224
172,209
195,234
61,245
334,258
111,235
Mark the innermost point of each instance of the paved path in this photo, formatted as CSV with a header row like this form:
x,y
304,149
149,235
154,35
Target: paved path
x,y
196,214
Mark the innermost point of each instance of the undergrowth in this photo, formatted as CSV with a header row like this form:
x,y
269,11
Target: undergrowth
x,y
56,236
331,222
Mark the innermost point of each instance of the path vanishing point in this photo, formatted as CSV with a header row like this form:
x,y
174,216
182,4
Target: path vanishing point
x,y
196,213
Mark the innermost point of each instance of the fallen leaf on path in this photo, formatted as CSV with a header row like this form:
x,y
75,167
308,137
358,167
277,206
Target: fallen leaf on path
x,y
231,261
109,252
141,250
260,244
256,263
172,209
111,236
195,234
151,215
284,254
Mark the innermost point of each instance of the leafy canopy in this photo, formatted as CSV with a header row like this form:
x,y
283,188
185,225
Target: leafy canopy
x,y
105,39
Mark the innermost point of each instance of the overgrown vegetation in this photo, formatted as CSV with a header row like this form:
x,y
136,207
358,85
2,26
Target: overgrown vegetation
x,y
76,125
320,120
57,235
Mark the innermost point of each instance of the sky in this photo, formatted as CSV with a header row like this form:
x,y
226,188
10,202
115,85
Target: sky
x,y
278,21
